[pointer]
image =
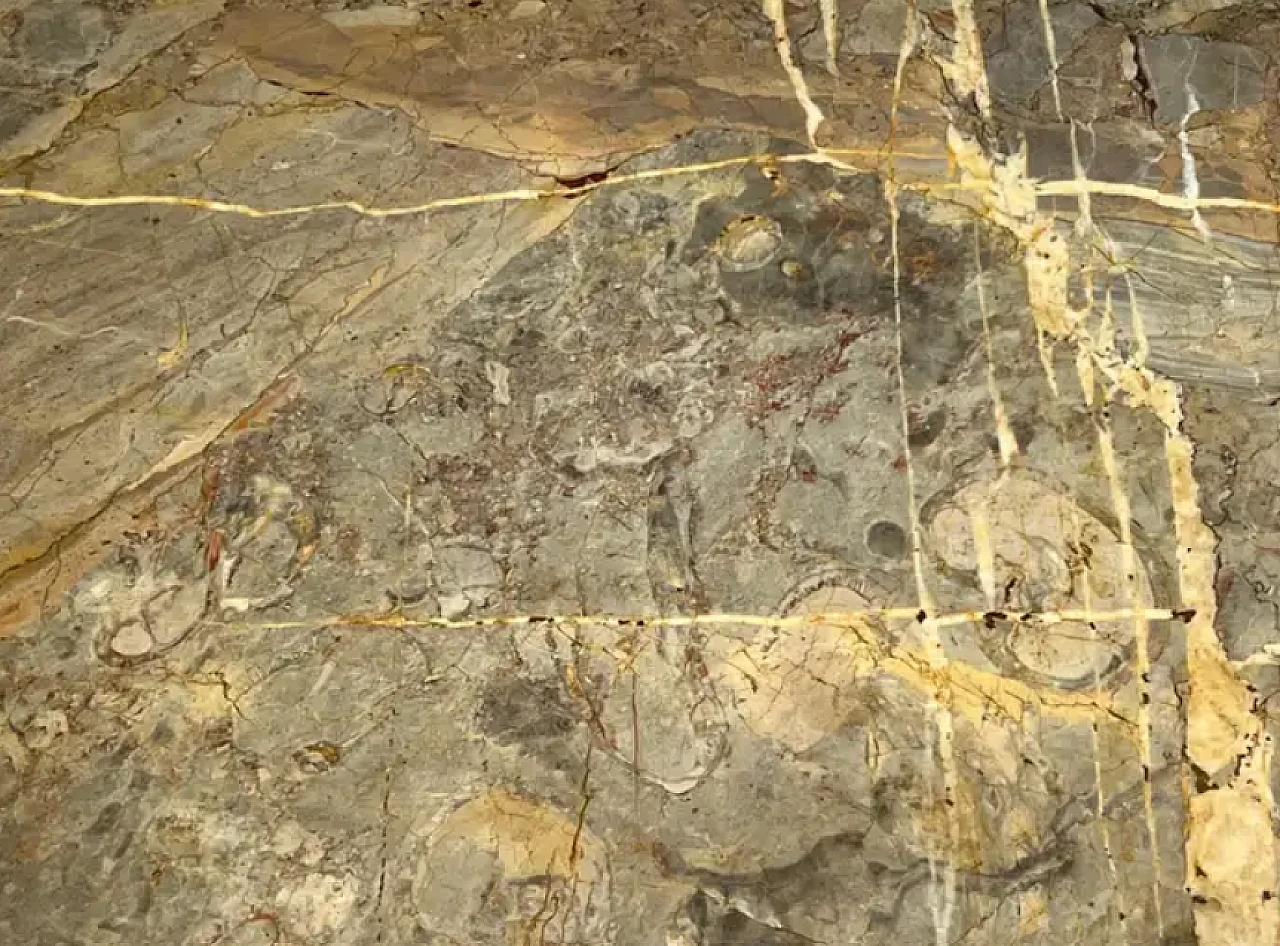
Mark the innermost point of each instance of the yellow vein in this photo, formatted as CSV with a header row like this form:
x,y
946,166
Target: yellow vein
x,y
1075,187
828,618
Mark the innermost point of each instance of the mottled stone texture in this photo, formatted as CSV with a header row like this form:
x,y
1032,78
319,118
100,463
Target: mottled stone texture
x,y
691,474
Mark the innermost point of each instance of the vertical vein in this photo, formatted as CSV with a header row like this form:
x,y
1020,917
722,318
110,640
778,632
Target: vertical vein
x,y
1142,653
1100,792
775,10
831,32
942,889
1005,438
1051,46
969,71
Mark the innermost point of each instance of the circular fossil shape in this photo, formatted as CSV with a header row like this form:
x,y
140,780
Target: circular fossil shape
x,y
1039,551
136,609
887,539
749,242
132,640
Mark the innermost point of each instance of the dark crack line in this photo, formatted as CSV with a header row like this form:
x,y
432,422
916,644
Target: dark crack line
x,y
386,830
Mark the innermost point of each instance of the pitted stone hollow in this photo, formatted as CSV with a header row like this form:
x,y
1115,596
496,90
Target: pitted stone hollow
x,y
887,539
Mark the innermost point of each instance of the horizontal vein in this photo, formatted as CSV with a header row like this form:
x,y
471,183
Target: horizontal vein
x,y
831,618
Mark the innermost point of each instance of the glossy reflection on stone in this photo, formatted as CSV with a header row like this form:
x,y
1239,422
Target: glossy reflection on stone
x,y
505,869
796,685
1029,547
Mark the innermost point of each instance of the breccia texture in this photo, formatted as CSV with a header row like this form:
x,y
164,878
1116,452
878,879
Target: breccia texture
x,y
750,473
